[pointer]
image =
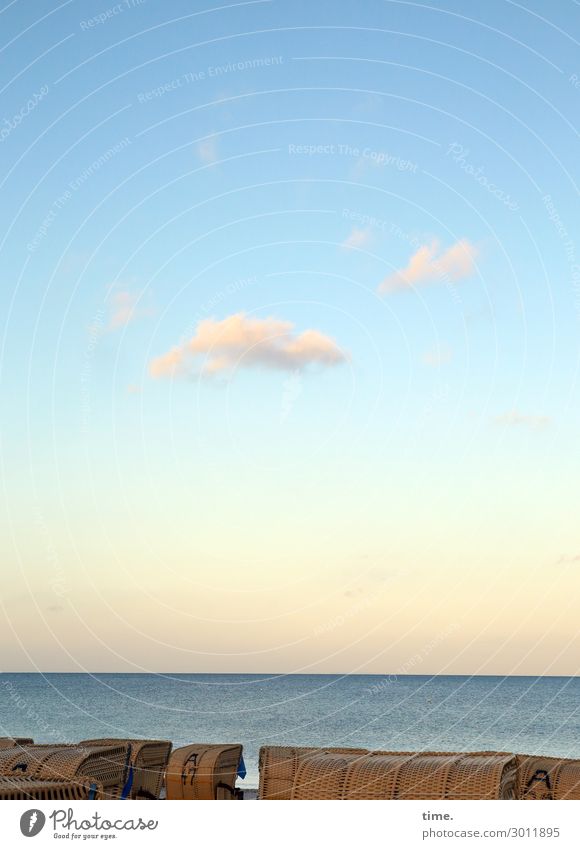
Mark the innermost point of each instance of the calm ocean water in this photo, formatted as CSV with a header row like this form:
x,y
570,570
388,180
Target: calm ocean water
x,y
408,712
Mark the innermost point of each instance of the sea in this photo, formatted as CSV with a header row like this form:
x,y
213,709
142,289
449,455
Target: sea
x,y
391,712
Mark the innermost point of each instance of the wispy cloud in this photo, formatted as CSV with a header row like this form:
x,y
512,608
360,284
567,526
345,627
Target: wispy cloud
x,y
292,390
568,558
207,151
241,342
514,418
357,238
124,308
437,356
429,263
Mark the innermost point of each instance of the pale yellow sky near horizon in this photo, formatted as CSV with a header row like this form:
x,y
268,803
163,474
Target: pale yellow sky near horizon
x,y
416,606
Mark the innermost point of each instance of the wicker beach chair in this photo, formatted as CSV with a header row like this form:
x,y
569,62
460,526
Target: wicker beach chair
x,y
547,778
22,760
406,775
9,742
456,775
26,787
279,765
105,765
322,775
148,759
374,777
203,771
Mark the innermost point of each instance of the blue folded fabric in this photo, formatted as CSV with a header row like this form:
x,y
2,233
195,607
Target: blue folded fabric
x,y
128,784
242,768
128,774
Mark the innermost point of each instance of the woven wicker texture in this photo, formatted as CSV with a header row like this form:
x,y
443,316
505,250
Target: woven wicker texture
x,y
405,775
279,765
24,760
323,776
149,759
105,764
424,777
35,788
8,742
374,777
203,771
547,778
489,775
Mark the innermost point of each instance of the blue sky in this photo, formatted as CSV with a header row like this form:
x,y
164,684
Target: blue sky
x,y
376,204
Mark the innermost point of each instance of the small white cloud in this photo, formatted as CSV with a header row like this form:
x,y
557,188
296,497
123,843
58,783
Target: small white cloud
x,y
207,151
437,356
428,263
568,558
124,308
241,342
357,238
513,418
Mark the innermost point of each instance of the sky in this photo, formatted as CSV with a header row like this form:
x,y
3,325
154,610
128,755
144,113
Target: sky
x,y
289,337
